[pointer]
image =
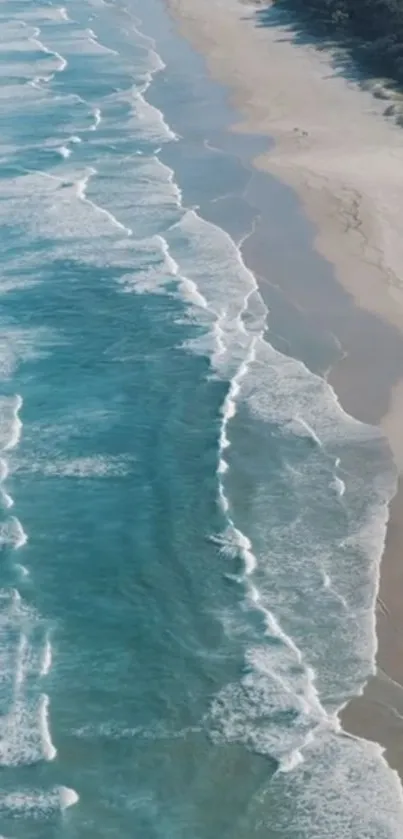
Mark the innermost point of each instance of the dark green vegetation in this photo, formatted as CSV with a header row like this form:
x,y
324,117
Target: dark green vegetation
x,y
374,26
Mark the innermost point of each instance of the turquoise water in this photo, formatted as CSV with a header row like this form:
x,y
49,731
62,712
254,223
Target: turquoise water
x,y
191,527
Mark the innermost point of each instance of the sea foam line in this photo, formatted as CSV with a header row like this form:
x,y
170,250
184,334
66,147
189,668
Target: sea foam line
x,y
228,413
143,108
242,544
249,342
37,803
314,718
46,662
82,195
12,533
43,48
20,663
8,501
64,152
97,114
229,408
189,287
93,38
20,537
16,425
49,750
192,292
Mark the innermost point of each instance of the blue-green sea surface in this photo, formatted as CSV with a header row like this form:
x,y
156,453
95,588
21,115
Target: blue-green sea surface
x,y
190,525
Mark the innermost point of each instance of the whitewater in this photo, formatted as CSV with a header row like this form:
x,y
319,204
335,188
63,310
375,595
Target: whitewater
x,y
97,224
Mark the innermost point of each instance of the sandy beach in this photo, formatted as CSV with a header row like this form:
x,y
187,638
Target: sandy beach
x,y
336,147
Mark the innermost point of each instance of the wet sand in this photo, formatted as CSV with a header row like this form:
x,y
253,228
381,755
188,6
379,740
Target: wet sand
x,y
344,157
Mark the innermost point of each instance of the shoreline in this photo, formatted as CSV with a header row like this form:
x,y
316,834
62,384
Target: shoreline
x,y
339,153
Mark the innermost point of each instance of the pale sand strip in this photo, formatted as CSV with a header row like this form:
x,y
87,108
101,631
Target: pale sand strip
x,y
344,157
333,145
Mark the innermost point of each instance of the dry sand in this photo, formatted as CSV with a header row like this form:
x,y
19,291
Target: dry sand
x,y
336,147
333,145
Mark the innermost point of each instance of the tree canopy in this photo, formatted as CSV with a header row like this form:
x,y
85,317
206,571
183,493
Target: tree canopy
x,y
376,24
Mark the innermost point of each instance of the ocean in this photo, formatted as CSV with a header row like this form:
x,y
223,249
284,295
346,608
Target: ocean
x,y
191,526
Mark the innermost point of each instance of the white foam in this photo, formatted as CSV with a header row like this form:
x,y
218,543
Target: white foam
x,y
49,204
291,761
20,665
12,533
153,126
281,391
64,151
223,500
235,541
77,220
19,535
310,431
48,749
93,39
156,270
10,423
15,614
46,662
19,345
97,466
24,658
97,114
170,263
68,797
343,788
24,728
340,486
257,710
82,195
188,288
326,580
157,63
6,499
38,803
61,61
115,730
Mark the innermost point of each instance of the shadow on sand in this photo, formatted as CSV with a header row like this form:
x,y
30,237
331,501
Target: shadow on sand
x,y
349,57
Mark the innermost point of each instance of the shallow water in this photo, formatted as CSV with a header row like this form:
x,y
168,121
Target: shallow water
x,y
191,526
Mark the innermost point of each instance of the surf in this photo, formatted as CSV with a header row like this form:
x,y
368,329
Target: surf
x,y
114,219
